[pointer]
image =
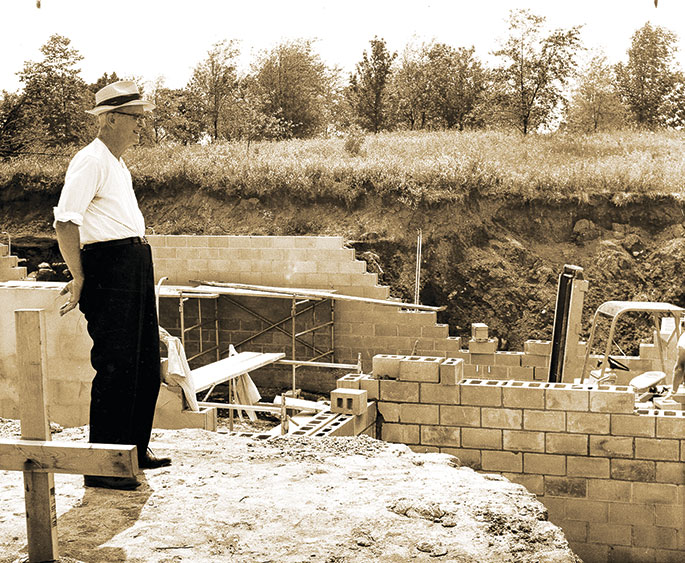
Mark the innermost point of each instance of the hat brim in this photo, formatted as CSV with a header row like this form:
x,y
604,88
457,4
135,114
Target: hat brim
x,y
147,106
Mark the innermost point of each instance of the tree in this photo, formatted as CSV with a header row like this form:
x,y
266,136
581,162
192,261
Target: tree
x,y
56,95
650,74
596,104
409,88
368,86
293,84
213,83
536,68
103,81
18,132
455,80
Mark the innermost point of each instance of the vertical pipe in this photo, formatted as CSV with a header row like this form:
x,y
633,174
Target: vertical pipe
x,y
417,282
293,313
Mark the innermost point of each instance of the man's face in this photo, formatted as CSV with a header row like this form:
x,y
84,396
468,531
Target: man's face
x,y
129,123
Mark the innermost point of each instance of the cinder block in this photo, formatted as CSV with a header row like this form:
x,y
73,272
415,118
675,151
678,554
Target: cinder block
x,y
612,399
654,493
482,359
567,444
608,489
631,513
537,348
633,425
446,436
563,396
633,470
493,372
451,371
420,368
611,446
502,418
572,487
400,433
366,419
501,461
651,537
671,425
657,449
521,373
534,361
439,394
488,346
533,483
479,331
588,510
481,393
523,441
520,395
348,401
482,438
591,551
670,473
399,391
575,530
508,358
349,381
467,457
540,373
547,421
386,366
459,415
419,414
610,534
587,423
593,467
544,464
371,386
390,412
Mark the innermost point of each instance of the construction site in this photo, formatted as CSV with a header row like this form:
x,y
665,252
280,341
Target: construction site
x,y
289,349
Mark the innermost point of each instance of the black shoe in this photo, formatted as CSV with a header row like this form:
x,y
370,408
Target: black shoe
x,y
123,483
151,461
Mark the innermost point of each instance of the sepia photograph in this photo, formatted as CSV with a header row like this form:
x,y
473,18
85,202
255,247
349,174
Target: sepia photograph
x,y
383,281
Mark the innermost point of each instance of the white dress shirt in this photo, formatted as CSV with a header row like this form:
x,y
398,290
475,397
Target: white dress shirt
x,y
98,196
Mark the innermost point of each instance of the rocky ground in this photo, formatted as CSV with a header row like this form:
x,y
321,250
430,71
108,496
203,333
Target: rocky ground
x,y
231,498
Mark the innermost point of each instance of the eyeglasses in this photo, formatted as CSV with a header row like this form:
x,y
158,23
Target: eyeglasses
x,y
137,116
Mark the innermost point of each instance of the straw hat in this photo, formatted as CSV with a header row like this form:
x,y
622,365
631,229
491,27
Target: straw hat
x,y
117,95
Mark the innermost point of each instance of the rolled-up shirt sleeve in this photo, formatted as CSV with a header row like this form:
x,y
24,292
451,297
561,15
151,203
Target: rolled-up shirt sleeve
x,y
80,187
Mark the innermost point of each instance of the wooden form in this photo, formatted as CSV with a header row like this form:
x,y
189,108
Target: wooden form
x,y
36,456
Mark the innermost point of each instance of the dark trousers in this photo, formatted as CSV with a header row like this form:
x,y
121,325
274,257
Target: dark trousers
x,y
118,301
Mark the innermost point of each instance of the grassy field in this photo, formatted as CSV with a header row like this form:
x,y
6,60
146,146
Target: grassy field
x,y
418,168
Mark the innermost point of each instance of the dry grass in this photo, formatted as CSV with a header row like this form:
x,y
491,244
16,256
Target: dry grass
x,y
417,168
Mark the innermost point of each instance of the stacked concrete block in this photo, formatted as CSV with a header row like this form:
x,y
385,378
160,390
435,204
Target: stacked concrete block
x,y
350,381
451,371
610,475
386,366
479,331
420,368
9,265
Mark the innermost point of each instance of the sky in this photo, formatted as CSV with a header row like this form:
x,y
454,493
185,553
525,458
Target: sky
x,y
168,38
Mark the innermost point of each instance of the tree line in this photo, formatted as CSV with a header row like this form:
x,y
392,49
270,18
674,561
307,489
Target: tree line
x,y
537,84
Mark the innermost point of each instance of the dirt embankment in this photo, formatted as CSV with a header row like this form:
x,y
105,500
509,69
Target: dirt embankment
x,y
489,261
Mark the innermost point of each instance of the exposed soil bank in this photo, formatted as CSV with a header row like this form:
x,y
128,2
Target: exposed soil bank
x,y
494,261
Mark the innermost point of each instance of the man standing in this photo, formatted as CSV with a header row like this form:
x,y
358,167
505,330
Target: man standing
x,y
101,235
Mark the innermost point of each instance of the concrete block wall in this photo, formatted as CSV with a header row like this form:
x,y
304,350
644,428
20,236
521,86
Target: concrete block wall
x,y
612,477
300,262
69,372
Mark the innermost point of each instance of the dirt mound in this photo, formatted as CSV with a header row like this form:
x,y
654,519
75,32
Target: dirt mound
x,y
337,500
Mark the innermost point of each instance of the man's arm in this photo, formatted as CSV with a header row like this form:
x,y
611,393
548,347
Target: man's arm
x,y
69,240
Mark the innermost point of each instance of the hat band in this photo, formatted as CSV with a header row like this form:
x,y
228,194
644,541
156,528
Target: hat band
x,y
119,100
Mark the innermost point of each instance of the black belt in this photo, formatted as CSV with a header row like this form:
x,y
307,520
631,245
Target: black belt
x,y
116,242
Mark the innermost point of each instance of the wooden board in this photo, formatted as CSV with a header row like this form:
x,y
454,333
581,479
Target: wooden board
x,y
69,457
229,368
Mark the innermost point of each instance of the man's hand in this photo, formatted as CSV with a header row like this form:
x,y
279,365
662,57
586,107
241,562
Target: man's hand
x,y
73,288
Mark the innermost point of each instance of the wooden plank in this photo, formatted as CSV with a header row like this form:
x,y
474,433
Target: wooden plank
x,y
68,457
313,294
229,368
39,488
